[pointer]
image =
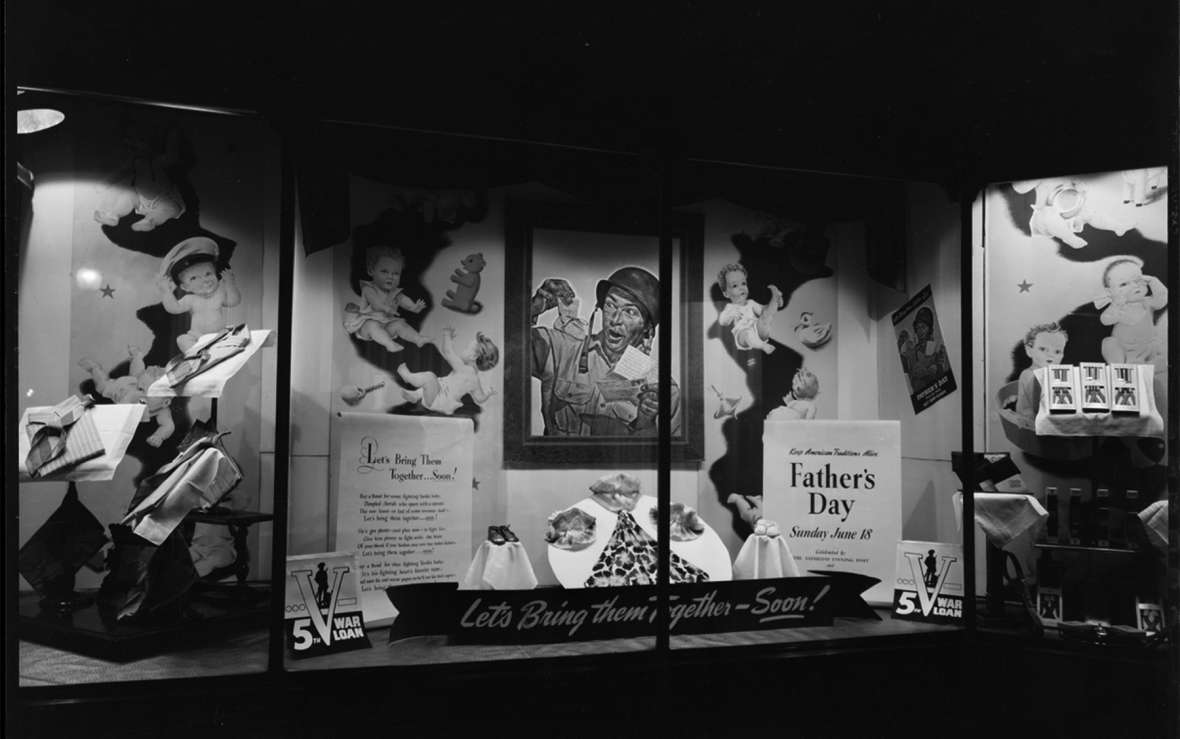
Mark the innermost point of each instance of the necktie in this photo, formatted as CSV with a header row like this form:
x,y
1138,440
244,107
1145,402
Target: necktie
x,y
49,428
630,559
225,344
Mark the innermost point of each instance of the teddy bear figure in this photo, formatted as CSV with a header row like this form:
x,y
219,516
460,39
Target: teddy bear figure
x,y
466,277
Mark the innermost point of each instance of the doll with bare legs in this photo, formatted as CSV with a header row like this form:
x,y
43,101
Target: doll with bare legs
x,y
1063,208
445,394
1130,302
192,266
376,318
799,404
132,388
750,319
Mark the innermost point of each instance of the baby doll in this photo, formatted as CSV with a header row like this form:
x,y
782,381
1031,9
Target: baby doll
x,y
1045,345
192,267
1131,297
1137,183
799,404
132,388
376,318
751,321
1062,210
445,394
144,186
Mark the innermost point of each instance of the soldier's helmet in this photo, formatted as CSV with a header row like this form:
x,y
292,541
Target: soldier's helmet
x,y
639,285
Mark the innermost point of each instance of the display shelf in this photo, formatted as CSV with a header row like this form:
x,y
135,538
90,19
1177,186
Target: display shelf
x,y
844,633
1085,549
92,634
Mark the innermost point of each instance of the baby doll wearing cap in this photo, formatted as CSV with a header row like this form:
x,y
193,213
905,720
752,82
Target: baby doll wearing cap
x,y
192,268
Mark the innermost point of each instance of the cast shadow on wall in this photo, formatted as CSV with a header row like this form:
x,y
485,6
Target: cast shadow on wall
x,y
768,377
419,240
149,206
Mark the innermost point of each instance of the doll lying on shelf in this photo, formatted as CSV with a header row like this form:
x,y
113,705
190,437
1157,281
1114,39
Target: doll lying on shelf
x,y
132,388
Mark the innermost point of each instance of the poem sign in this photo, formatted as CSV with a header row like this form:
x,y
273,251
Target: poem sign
x,y
404,497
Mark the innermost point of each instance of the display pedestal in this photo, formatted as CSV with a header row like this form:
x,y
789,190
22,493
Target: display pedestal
x,y
85,631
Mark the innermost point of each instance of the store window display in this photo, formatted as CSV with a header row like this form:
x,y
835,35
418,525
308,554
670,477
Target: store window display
x,y
1086,422
156,267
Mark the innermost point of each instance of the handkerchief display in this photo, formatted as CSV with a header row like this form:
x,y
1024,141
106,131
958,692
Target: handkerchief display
x,y
61,436
630,559
1006,517
764,557
198,478
1155,524
571,529
617,492
500,567
684,523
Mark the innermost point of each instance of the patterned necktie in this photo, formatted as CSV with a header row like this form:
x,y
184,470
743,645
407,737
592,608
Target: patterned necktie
x,y
227,343
630,558
49,428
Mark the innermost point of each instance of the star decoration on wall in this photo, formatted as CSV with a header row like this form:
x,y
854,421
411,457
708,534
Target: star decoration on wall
x,y
1024,285
474,484
108,291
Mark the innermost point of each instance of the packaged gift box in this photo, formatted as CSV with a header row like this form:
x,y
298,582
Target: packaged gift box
x,y
1095,387
1063,388
1125,393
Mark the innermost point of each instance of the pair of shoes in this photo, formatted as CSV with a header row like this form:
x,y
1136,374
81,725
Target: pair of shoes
x,y
501,535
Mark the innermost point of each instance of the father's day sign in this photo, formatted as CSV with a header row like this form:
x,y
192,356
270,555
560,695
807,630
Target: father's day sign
x,y
834,488
403,501
557,615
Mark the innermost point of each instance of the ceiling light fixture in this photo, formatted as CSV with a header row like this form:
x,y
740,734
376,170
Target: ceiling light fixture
x,y
37,119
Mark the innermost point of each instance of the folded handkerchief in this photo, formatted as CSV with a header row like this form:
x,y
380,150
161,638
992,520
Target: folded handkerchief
x,y
571,529
500,567
1006,517
684,523
764,557
629,558
617,492
1155,523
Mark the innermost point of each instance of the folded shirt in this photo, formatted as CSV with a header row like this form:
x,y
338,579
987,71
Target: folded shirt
x,y
61,436
198,478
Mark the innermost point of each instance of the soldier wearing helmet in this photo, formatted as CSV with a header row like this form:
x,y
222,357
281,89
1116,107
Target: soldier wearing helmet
x,y
928,360
579,394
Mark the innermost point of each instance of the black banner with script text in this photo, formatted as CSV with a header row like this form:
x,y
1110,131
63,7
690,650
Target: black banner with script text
x,y
558,615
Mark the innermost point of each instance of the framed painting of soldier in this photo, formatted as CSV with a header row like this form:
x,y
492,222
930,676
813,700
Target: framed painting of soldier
x,y
582,326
